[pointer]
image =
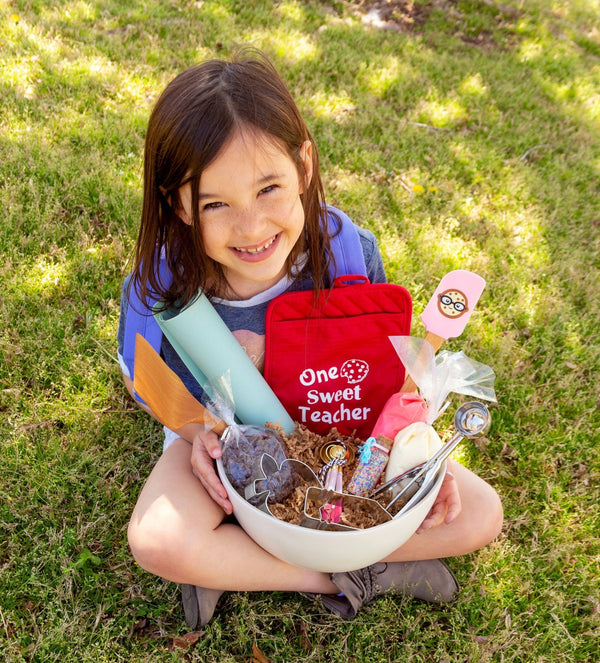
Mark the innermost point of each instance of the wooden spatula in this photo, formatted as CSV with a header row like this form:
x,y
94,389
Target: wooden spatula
x,y
165,394
449,310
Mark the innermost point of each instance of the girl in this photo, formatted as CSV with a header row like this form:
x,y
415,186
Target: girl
x,y
234,205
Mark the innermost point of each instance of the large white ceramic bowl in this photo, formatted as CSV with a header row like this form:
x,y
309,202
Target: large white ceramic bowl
x,y
328,551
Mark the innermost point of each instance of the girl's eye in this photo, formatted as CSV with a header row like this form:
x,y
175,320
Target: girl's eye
x,y
210,206
269,188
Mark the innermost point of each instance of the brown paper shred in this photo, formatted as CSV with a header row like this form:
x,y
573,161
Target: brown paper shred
x,y
305,445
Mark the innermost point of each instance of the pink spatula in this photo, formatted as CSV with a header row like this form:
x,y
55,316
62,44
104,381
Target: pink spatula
x,y
445,316
449,310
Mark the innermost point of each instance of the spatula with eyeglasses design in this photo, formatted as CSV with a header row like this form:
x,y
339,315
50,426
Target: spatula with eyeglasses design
x,y
449,310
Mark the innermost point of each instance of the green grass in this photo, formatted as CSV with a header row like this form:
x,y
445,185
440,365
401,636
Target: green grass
x,y
468,139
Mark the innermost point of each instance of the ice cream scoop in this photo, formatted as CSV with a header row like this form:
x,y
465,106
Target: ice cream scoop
x,y
472,419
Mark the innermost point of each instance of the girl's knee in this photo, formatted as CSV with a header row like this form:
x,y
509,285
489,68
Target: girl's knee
x,y
496,515
156,541
163,543
482,514
490,517
480,521
148,549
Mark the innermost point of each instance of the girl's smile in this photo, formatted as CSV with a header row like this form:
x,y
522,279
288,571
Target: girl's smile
x,y
258,252
251,215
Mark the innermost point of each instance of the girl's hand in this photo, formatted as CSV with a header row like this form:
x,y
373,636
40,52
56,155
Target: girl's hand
x,y
205,450
446,507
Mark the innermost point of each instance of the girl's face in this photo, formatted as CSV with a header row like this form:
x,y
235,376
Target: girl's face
x,y
251,215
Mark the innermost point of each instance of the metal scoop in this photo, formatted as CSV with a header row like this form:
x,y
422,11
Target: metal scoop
x,y
472,419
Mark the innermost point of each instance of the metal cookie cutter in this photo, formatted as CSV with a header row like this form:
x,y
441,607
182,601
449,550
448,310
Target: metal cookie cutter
x,y
274,481
316,499
272,476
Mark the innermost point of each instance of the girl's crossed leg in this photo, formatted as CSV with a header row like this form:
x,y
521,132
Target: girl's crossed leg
x,y
179,533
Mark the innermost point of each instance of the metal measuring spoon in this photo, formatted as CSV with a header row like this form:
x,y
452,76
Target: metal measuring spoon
x,y
472,419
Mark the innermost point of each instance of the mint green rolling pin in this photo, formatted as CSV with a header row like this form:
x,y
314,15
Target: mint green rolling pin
x,y
210,351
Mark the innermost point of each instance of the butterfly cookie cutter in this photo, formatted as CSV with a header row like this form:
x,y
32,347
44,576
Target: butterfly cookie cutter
x,y
269,478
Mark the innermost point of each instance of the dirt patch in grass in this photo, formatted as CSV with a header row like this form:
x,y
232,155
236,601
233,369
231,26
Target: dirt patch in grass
x,y
397,15
408,16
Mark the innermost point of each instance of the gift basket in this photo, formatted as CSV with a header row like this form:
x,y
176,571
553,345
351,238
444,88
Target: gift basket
x,y
331,502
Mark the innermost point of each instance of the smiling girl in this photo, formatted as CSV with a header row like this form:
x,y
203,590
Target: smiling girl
x,y
234,206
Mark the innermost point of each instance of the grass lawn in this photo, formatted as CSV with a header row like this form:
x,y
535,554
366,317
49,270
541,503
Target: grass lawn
x,y
465,134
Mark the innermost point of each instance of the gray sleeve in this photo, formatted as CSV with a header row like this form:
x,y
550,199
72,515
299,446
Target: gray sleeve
x,y
373,260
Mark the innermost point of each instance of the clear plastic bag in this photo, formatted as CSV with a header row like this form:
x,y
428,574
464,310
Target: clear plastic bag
x,y
244,445
437,376
243,449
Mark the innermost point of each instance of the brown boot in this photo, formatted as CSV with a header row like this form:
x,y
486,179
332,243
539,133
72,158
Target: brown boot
x,y
199,604
428,580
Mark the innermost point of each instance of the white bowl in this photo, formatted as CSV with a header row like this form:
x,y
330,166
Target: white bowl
x,y
328,551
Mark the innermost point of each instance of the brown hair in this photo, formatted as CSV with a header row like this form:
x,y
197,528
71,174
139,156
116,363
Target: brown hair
x,y
197,113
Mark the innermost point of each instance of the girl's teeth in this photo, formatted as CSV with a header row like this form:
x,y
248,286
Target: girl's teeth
x,y
259,249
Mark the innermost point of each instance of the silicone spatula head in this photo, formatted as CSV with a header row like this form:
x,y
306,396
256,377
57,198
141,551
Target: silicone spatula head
x,y
453,301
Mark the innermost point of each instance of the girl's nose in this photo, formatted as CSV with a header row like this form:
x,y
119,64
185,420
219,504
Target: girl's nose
x,y
250,222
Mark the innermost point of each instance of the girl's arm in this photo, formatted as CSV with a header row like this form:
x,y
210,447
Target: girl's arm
x,y
129,384
205,450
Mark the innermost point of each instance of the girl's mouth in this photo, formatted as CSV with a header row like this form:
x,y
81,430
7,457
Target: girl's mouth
x,y
258,249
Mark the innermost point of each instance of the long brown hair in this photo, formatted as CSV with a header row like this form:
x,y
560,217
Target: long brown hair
x,y
197,113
